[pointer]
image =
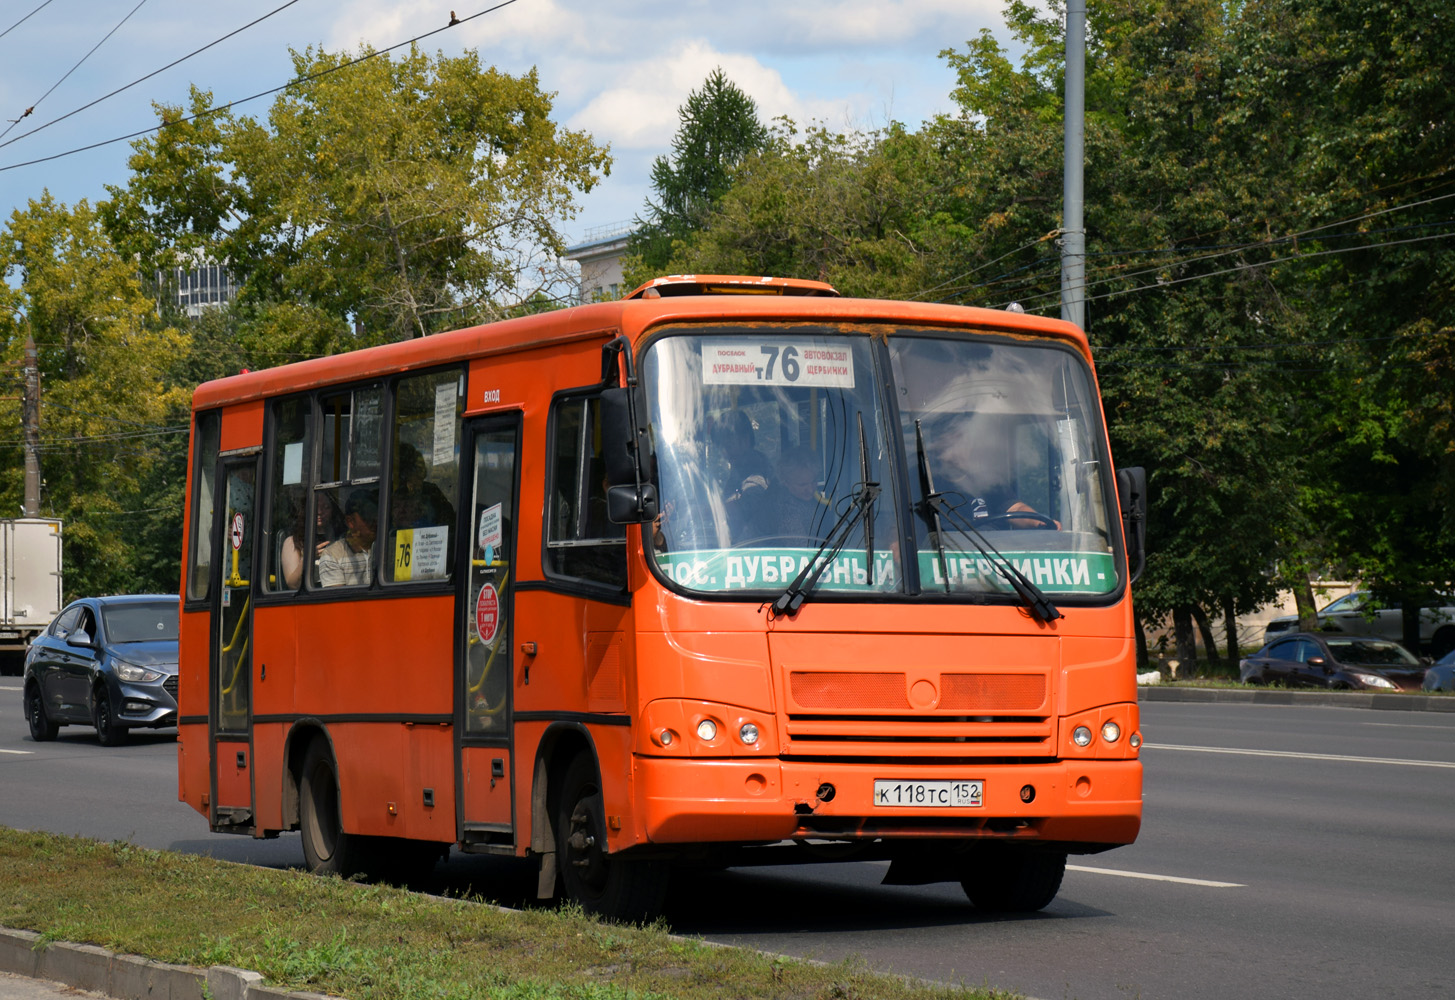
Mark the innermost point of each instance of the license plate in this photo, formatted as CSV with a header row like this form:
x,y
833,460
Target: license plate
x,y
929,794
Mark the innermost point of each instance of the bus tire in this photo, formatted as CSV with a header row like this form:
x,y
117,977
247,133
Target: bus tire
x,y
1014,880
327,849
606,886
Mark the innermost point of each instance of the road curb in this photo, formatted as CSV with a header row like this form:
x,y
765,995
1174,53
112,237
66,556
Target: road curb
x,y
1325,699
130,977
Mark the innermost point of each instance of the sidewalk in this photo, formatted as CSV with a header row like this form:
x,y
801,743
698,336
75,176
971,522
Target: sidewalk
x,y
31,971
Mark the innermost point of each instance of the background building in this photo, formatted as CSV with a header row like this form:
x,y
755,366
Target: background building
x,y
599,255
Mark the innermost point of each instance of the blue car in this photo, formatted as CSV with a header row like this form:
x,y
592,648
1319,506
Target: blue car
x,y
1441,676
108,662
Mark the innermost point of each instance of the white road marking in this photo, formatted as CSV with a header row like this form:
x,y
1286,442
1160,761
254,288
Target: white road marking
x,y
1398,725
8,687
1304,756
17,751
1157,878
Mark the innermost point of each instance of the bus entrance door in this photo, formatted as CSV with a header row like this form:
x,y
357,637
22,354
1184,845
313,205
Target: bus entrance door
x,y
485,669
232,615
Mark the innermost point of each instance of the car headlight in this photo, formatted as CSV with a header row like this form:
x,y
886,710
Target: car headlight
x,y
133,674
1372,680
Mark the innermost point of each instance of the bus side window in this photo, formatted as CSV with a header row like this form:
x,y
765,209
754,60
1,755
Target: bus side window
x,y
287,528
581,542
424,478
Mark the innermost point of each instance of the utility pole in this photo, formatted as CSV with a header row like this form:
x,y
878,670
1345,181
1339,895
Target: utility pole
x,y
30,421
1073,231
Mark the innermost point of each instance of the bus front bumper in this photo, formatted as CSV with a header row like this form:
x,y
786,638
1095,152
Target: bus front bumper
x,y
1086,802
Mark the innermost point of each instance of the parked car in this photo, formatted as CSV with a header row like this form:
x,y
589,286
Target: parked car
x,y
1358,613
1330,660
1441,675
108,662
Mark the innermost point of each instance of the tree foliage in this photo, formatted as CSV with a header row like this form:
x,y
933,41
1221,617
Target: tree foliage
x,y
395,197
719,130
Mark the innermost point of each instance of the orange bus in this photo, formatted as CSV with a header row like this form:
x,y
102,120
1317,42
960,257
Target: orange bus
x,y
734,571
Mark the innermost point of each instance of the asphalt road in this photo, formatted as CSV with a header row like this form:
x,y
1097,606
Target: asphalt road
x,y
1290,852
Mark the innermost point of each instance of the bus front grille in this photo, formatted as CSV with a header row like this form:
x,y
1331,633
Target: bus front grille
x,y
852,713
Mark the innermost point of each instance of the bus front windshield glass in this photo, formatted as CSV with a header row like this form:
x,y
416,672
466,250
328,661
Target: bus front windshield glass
x,y
775,450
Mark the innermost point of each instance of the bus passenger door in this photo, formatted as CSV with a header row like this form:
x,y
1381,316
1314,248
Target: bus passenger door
x,y
230,710
484,657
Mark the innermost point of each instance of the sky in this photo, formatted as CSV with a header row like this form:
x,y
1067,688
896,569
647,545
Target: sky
x,y
620,69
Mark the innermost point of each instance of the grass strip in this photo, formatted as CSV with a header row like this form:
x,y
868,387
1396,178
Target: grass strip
x,y
372,942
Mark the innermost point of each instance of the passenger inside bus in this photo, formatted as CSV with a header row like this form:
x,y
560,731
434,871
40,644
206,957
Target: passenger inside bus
x,y
328,525
792,507
415,501
347,560
742,470
973,466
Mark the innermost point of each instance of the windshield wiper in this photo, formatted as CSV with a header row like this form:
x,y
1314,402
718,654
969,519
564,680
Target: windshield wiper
x,y
861,508
941,511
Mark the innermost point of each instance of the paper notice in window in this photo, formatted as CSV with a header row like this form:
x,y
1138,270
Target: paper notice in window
x,y
445,395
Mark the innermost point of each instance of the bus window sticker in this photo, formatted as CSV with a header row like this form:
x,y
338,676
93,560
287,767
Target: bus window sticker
x,y
779,363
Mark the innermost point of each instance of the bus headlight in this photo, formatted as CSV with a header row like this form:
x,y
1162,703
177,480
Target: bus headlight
x,y
748,733
1081,736
707,730
1111,732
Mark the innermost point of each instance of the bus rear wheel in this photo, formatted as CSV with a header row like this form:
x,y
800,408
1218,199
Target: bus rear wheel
x,y
606,886
327,849
1013,881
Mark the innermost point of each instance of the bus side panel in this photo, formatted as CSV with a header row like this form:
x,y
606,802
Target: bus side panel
x,y
267,765
391,658
242,427
396,780
193,776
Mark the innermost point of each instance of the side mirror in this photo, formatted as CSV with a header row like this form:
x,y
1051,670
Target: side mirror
x,y
625,444
80,638
1132,497
1319,661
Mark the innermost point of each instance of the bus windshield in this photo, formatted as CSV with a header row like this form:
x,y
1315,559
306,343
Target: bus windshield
x,y
781,447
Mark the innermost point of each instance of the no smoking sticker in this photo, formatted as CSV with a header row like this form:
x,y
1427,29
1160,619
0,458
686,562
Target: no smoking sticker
x,y
487,614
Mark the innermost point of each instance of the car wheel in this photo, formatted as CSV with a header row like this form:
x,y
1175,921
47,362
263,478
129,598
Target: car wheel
x,y
327,849
1442,641
1014,880
42,729
109,730
605,886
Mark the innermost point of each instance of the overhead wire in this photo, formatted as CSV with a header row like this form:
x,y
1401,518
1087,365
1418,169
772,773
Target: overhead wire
x,y
28,111
143,79
232,104
27,17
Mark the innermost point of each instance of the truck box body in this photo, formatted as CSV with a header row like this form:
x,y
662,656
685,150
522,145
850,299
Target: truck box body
x,y
30,557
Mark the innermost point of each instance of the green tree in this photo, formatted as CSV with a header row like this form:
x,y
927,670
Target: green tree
x,y
719,130
829,206
108,407
392,197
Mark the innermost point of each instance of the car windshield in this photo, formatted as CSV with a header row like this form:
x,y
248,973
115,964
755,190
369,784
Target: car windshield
x,y
1349,602
1365,653
144,622
774,443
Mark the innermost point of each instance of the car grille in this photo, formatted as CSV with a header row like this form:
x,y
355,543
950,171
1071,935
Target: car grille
x,y
170,685
838,714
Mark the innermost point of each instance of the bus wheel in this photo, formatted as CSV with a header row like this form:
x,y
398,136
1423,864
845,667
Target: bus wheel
x,y
326,848
1013,881
617,889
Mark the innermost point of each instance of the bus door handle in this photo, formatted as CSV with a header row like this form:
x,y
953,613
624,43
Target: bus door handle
x,y
528,650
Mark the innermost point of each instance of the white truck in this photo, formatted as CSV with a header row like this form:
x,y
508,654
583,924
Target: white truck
x,y
30,593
